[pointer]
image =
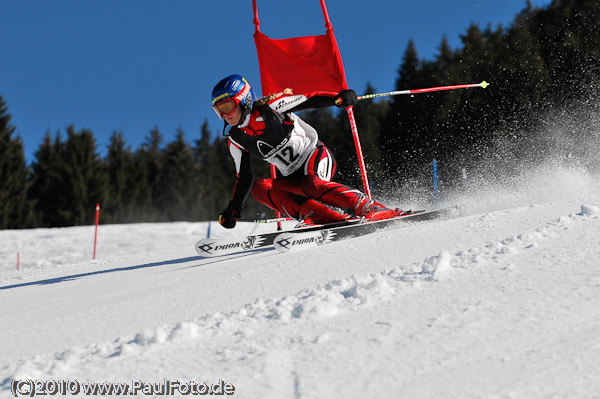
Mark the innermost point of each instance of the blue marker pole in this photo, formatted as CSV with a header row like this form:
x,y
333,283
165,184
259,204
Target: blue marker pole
x,y
208,230
435,182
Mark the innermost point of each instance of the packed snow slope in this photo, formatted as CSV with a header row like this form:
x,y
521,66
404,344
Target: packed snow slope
x,y
503,302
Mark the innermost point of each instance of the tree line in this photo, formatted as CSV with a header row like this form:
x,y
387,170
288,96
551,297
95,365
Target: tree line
x,y
545,59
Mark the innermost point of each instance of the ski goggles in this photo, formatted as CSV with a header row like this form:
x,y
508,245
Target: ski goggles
x,y
225,107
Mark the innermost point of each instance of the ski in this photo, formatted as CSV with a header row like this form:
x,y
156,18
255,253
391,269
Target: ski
x,y
212,247
299,240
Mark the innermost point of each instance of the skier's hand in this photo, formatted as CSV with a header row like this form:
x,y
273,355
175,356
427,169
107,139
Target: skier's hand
x,y
228,217
346,98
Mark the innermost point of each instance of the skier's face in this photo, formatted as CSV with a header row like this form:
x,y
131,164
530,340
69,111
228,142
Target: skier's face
x,y
227,109
234,117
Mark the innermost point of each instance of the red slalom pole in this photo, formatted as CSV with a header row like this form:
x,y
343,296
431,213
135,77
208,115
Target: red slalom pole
x,y
18,260
96,234
359,153
483,84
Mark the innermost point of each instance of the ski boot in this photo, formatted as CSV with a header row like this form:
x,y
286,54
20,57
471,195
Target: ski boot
x,y
373,210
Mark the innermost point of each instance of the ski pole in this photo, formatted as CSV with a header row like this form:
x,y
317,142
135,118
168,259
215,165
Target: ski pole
x,y
275,220
483,84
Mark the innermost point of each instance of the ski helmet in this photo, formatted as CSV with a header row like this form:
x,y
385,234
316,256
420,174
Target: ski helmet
x,y
238,89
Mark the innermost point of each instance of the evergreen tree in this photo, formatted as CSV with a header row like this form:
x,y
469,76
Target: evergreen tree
x,y
179,182
443,105
68,179
121,185
405,140
14,207
216,173
146,174
445,58
568,32
393,138
467,124
48,181
85,178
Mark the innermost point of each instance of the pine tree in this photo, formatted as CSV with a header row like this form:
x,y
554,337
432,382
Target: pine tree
x,y
147,162
215,171
445,58
121,184
85,178
47,181
443,105
568,32
404,139
179,198
14,207
465,135
68,179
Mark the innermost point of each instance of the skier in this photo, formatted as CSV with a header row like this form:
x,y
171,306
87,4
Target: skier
x,y
269,129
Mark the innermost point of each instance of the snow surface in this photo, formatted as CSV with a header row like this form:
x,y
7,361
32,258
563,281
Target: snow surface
x,y
503,302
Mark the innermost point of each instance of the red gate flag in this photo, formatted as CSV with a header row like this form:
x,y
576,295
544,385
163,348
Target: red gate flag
x,y
303,64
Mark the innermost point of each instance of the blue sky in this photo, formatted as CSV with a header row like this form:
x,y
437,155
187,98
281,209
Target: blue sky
x,y
131,65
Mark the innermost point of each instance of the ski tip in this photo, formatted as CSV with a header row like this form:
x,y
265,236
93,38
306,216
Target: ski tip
x,y
484,84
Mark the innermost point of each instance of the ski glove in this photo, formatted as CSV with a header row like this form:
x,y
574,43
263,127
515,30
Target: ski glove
x,y
346,98
228,217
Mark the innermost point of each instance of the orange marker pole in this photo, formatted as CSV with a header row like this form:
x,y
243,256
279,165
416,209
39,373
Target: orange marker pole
x,y
96,234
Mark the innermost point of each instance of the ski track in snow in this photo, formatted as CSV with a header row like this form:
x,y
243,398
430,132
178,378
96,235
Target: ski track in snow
x,y
497,304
